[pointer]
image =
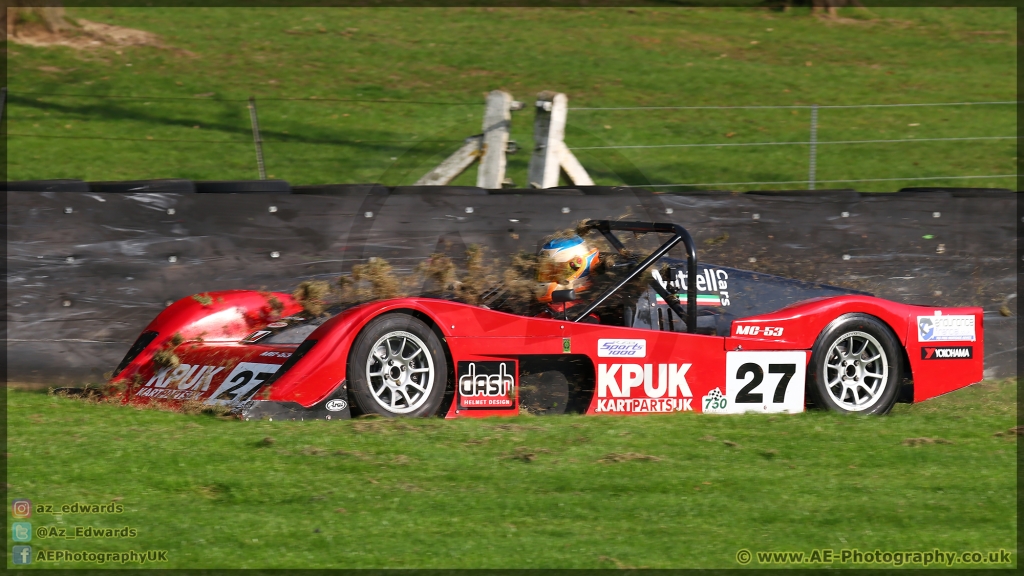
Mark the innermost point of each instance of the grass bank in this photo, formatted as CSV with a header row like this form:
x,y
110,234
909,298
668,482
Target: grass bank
x,y
576,492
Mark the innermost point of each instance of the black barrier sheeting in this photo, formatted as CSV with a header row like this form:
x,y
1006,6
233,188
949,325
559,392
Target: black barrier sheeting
x,y
86,272
154,186
47,186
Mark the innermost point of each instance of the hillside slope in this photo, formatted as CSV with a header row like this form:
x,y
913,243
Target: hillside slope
x,y
177,108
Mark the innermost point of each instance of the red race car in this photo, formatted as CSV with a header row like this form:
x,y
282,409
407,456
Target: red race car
x,y
662,335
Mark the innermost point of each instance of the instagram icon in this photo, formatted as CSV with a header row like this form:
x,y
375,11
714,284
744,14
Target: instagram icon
x,y
21,508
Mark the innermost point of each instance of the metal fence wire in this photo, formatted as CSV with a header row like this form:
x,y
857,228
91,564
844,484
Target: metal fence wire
x,y
812,143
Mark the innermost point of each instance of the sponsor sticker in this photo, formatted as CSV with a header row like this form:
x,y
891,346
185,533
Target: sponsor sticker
x,y
643,388
621,348
566,345
644,405
947,352
939,327
277,325
256,336
186,382
486,385
713,280
336,405
714,402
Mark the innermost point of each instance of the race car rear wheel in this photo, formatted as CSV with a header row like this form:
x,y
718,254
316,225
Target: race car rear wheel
x,y
397,368
855,366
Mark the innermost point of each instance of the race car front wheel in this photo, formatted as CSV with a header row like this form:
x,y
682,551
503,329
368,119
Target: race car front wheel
x,y
397,367
855,366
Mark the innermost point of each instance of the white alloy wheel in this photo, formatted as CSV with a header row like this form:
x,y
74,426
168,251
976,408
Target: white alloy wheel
x,y
400,372
856,371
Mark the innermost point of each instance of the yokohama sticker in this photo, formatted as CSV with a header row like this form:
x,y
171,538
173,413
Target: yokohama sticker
x,y
487,385
940,328
947,352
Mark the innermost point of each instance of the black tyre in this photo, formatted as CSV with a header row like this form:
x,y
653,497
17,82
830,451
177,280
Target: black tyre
x,y
397,367
856,366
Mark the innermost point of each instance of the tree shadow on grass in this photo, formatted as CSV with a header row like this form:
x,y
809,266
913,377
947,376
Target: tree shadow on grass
x,y
233,121
663,173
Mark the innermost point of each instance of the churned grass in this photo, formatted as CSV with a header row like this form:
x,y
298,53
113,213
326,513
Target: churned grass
x,y
189,118
661,491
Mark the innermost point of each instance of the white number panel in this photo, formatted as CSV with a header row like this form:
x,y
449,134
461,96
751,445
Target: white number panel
x,y
760,382
243,381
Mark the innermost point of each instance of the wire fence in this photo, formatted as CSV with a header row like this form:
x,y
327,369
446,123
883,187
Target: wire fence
x,y
829,181
211,98
808,143
812,143
241,142
794,106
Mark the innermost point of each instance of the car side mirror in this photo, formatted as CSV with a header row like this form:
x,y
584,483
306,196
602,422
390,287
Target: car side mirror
x,y
563,296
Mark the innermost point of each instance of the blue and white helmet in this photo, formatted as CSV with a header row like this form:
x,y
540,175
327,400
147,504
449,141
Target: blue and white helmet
x,y
565,264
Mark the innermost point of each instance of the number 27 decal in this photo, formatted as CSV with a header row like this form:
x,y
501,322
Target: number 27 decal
x,y
765,381
746,395
242,382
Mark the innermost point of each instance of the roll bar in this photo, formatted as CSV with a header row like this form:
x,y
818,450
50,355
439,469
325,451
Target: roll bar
x,y
679,234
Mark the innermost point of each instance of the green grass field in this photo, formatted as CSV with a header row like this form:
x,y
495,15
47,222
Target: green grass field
x,y
189,117
577,492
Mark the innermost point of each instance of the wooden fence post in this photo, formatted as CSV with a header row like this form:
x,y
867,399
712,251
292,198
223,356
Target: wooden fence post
x,y
497,121
490,147
550,154
453,165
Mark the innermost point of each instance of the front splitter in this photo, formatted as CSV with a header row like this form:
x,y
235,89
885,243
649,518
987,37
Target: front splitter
x,y
334,407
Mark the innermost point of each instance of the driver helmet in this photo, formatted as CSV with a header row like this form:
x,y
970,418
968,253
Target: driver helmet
x,y
565,264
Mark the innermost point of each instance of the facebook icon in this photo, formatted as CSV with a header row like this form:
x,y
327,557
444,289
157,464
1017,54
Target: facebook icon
x,y
21,555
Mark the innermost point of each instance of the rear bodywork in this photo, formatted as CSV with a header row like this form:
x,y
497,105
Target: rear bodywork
x,y
261,356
